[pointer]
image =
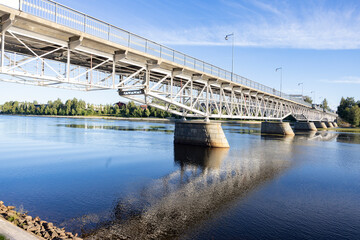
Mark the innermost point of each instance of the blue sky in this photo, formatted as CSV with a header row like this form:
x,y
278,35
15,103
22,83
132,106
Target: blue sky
x,y
315,42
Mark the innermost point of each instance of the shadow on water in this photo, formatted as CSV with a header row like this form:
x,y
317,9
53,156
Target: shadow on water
x,y
205,184
307,136
353,138
120,128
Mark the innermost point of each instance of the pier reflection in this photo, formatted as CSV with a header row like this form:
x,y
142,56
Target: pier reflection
x,y
207,182
195,156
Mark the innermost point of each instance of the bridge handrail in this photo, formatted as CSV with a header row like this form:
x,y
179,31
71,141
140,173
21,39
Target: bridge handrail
x,y
61,14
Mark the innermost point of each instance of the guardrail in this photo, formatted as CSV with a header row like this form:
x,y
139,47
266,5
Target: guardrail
x,y
68,17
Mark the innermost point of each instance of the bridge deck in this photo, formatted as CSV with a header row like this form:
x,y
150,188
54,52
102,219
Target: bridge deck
x,y
50,45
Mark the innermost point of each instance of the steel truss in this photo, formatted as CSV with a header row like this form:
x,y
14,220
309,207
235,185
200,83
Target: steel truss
x,y
30,58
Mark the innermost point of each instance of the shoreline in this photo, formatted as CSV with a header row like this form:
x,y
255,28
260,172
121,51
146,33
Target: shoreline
x,y
19,225
150,119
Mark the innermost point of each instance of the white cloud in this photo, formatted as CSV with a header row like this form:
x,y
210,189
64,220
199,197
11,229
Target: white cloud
x,y
345,80
308,27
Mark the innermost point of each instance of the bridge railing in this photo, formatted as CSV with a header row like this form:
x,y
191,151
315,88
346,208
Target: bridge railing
x,y
68,17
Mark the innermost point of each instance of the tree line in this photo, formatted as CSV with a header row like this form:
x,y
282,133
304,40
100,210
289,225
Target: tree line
x,y
349,111
75,107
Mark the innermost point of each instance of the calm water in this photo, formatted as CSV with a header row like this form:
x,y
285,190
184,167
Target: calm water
x,y
115,179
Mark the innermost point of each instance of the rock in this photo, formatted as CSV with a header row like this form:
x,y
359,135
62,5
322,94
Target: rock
x,y
48,225
46,235
11,207
31,229
28,218
11,213
1,203
21,220
69,234
54,235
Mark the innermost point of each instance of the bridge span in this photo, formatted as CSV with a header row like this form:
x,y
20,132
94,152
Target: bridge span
x,y
47,44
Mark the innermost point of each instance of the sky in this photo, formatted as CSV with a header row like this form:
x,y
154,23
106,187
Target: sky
x,y
315,42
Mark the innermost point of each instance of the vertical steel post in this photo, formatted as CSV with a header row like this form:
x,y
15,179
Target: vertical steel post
x,y
2,50
171,85
42,68
113,72
221,98
56,7
207,100
68,63
147,77
232,102
191,92
20,5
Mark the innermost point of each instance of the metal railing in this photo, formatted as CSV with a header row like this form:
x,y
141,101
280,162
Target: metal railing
x,y
58,13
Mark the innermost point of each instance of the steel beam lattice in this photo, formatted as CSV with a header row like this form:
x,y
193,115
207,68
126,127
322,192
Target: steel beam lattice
x,y
44,43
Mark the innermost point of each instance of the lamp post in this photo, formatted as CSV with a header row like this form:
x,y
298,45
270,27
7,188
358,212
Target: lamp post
x,y
280,68
302,88
314,96
232,59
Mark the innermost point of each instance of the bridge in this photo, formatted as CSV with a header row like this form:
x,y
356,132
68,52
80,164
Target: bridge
x,y
47,44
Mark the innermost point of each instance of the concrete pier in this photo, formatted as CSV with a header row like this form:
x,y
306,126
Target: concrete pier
x,y
319,124
200,133
329,124
335,124
305,126
278,128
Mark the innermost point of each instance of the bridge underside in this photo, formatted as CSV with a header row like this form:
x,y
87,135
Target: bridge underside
x,y
41,53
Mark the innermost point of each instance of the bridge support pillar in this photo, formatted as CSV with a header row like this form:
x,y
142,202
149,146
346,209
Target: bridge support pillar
x,y
335,124
320,124
208,134
278,128
329,124
305,126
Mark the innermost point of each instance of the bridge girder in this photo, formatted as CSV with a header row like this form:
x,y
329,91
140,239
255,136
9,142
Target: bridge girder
x,y
77,62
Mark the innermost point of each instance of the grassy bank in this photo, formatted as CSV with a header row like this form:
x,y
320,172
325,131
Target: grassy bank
x,y
352,130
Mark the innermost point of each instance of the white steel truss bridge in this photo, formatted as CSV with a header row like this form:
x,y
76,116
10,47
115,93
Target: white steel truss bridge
x,y
47,44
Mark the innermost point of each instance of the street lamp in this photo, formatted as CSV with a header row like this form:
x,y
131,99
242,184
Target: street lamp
x,y
314,96
232,60
280,68
302,88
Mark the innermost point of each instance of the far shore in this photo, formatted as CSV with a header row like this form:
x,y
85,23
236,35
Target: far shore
x,y
129,119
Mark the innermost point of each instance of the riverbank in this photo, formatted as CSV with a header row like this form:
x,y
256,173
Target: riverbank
x,y
129,119
350,130
18,225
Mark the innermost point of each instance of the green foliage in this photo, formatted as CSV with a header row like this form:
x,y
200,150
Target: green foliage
x,y
349,110
325,105
2,237
308,99
77,107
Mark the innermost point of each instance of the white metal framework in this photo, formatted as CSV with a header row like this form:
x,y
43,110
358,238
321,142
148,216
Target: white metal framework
x,y
47,44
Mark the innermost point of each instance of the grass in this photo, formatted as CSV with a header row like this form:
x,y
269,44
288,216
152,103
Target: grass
x,y
352,130
2,237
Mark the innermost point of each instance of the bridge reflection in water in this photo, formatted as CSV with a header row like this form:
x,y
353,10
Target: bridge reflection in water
x,y
207,182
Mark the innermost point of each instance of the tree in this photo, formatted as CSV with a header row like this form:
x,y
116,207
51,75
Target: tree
x,y
325,105
344,108
308,99
354,115
147,112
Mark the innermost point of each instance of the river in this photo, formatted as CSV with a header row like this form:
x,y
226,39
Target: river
x,y
116,179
